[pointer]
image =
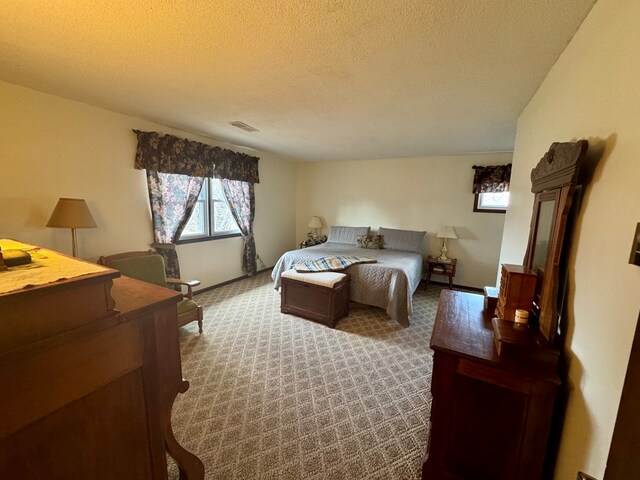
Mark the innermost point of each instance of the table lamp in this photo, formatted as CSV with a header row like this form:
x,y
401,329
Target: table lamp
x,y
315,224
71,213
446,232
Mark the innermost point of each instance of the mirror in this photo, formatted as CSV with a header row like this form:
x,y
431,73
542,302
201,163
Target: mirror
x,y
541,243
543,235
553,181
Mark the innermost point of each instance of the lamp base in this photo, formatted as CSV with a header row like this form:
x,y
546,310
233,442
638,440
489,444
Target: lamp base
x,y
443,252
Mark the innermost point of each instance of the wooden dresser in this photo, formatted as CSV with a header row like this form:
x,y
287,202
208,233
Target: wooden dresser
x,y
90,368
490,416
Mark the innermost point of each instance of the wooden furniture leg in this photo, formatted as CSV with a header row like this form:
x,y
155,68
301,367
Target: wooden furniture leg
x,y
166,350
427,280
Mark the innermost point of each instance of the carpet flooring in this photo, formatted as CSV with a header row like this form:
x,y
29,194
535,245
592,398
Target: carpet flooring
x,y
275,396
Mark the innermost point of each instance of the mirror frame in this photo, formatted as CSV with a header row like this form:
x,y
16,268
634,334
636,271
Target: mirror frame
x,y
554,177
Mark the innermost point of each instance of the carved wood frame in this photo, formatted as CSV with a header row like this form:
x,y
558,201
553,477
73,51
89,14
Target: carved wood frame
x,y
555,174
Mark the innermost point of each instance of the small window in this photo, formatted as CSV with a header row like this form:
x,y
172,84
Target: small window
x,y
491,202
211,217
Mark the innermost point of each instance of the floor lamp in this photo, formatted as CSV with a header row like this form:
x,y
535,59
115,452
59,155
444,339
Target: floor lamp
x,y
71,213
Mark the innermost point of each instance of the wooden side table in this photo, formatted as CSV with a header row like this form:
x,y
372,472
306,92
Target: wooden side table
x,y
437,266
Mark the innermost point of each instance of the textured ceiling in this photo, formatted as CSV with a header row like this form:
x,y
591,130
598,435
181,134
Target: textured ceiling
x,y
320,79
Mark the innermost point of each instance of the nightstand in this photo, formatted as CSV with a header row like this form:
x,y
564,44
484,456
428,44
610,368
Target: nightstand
x,y
439,267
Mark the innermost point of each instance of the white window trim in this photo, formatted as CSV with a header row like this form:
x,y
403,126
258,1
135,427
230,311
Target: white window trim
x,y
209,204
478,207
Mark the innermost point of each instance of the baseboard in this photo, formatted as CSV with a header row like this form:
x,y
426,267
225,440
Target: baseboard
x,y
237,279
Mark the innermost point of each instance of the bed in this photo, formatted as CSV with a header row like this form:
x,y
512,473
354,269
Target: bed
x,y
389,283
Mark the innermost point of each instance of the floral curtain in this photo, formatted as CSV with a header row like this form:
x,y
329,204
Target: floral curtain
x,y
242,202
170,154
172,199
491,178
176,168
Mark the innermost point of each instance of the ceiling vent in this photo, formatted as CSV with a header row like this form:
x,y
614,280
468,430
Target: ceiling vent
x,y
244,126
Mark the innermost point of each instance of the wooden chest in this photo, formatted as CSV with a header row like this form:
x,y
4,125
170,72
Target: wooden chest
x,y
517,289
322,298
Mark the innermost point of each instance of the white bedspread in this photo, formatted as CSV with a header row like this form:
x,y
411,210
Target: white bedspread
x,y
388,284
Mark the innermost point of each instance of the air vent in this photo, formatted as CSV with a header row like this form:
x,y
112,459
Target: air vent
x,y
244,126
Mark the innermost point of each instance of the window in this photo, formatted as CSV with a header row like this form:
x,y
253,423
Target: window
x,y
491,202
211,217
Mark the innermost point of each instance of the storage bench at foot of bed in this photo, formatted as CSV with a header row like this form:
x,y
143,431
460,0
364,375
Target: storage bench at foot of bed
x,y
322,296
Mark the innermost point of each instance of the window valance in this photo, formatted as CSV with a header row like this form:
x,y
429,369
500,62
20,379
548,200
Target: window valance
x,y
170,154
491,179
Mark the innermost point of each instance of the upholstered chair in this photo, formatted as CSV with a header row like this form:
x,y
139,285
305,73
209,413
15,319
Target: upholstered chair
x,y
149,267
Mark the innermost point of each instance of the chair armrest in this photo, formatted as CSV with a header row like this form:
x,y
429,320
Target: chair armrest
x,y
188,283
179,281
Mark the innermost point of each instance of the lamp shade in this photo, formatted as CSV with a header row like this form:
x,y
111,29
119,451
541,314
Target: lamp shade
x,y
315,222
71,213
447,232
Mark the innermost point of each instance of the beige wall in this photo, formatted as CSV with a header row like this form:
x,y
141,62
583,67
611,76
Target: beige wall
x,y
410,193
51,147
593,93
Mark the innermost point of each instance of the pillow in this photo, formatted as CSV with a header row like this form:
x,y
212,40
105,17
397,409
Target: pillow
x,y
369,241
346,235
407,240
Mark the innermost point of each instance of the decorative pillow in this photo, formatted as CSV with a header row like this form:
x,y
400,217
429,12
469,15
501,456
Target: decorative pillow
x,y
346,235
407,240
369,241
